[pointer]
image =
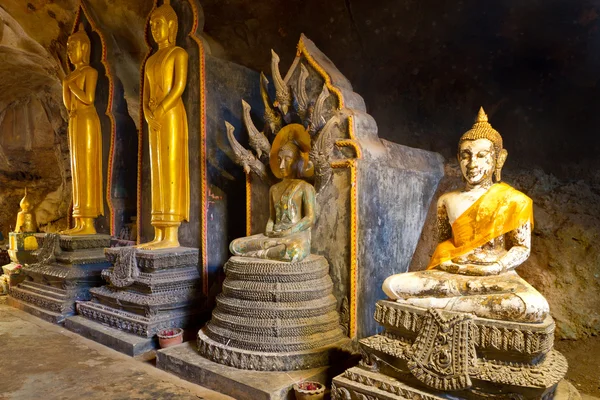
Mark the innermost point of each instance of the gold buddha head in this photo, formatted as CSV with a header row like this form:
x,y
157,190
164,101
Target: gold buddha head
x,y
78,47
289,153
480,152
163,23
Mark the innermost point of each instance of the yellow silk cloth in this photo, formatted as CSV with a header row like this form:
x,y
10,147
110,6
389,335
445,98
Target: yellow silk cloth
x,y
500,210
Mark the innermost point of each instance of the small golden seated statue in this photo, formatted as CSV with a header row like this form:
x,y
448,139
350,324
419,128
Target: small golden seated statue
x,y
165,78
85,137
485,233
291,202
26,222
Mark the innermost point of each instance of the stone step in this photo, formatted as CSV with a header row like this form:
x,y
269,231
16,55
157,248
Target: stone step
x,y
278,292
145,326
276,327
167,300
258,342
251,269
44,290
268,309
39,300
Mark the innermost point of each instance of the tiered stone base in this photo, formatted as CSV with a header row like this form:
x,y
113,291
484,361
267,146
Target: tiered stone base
x,y
438,354
184,362
274,316
359,384
159,289
68,267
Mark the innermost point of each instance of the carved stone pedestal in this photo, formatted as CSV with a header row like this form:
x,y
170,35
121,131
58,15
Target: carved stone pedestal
x,y
67,267
22,247
148,290
436,354
271,316
184,362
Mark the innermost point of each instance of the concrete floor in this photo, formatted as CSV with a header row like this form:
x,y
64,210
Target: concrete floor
x,y
39,360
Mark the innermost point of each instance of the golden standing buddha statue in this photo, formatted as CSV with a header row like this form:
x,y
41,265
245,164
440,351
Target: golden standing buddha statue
x,y
291,202
485,233
165,76
26,222
85,137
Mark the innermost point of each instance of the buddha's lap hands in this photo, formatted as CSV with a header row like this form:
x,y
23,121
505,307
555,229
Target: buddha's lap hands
x,y
278,234
472,269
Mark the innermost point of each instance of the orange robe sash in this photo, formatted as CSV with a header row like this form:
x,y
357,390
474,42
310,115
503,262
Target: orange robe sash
x,y
500,210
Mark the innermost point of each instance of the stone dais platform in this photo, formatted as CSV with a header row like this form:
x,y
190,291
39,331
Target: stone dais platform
x,y
67,268
185,362
123,342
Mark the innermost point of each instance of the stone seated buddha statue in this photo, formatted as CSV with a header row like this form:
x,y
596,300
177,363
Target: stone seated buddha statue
x,y
468,327
277,311
291,202
485,233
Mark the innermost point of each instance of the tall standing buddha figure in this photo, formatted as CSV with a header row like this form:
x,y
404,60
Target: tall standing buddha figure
x,y
85,137
485,233
165,76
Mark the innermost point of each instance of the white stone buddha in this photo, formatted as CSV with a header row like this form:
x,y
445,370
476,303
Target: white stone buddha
x,y
485,233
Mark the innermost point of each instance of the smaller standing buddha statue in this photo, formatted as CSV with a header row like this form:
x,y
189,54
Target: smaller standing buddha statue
x,y
85,137
291,202
165,77
26,222
485,233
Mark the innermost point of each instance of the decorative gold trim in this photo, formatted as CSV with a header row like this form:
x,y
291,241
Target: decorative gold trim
x,y
248,205
107,112
350,163
303,51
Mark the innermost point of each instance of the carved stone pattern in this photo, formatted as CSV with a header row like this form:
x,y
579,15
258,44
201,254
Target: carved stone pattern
x,y
49,245
395,388
264,310
147,261
483,336
69,243
260,342
42,302
232,357
547,372
142,299
310,269
125,268
340,393
57,271
129,322
278,327
277,292
440,355
160,282
80,260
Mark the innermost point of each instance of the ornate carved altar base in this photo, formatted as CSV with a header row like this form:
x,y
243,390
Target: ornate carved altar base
x,y
67,267
148,290
271,316
435,354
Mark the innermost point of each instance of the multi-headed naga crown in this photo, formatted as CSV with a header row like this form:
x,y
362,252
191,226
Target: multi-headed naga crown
x,y
483,130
